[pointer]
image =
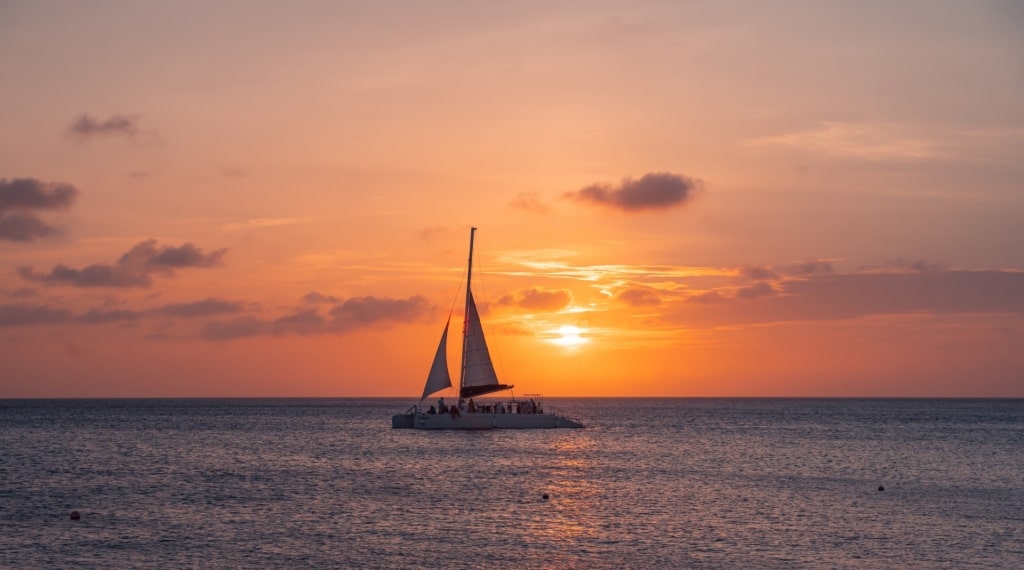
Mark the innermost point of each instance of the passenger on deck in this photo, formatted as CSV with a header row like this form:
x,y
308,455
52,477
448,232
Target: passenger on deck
x,y
441,408
472,406
431,410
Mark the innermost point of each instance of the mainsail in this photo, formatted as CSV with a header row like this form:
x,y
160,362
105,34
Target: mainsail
x,y
438,378
478,376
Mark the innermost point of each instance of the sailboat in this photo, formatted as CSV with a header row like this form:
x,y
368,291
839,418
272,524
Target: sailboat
x,y
477,378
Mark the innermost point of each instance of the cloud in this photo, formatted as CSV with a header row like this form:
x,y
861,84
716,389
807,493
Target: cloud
x,y
653,191
537,299
303,322
22,314
756,290
757,272
316,298
343,317
530,202
239,327
774,272
20,197
115,125
206,307
133,269
864,140
706,297
639,297
361,311
901,265
847,296
259,223
431,233
98,317
24,227
33,194
809,267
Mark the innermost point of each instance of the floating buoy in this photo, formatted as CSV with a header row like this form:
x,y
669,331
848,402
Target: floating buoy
x,y
75,515
544,496
881,488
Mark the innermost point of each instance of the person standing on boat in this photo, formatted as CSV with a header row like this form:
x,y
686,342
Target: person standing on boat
x,y
441,408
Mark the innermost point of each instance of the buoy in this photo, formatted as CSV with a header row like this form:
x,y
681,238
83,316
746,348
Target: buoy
x,y
881,488
545,496
75,515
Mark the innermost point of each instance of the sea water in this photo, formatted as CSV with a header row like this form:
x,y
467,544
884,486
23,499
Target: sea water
x,y
650,483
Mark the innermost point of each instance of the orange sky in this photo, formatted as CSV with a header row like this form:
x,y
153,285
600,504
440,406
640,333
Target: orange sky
x,y
680,199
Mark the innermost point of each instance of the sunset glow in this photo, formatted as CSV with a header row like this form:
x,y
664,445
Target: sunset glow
x,y
569,336
673,199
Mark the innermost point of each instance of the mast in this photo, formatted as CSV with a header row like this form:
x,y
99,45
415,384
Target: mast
x,y
465,325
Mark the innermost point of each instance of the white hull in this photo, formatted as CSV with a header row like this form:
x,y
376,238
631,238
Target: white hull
x,y
474,421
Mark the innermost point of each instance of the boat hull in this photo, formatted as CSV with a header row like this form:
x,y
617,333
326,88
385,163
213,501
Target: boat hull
x,y
479,421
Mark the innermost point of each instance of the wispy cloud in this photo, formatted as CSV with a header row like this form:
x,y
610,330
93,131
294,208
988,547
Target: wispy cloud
x,y
653,191
865,140
21,198
537,299
259,223
530,202
640,296
115,125
204,308
134,269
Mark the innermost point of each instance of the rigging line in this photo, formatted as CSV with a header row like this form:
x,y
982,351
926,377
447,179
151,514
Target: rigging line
x,y
451,311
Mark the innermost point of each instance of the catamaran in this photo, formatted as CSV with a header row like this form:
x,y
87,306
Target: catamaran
x,y
476,379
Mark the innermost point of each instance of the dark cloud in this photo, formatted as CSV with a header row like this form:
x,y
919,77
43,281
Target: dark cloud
x,y
361,311
756,290
98,317
653,191
89,276
809,267
133,269
639,297
900,265
22,293
537,299
32,194
23,226
238,327
148,256
206,307
758,272
345,316
302,322
20,198
316,298
115,125
21,314
847,296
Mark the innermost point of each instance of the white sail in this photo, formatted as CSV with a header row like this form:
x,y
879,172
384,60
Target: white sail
x,y
438,378
477,367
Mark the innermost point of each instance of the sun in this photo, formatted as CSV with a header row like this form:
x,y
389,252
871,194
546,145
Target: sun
x,y
568,336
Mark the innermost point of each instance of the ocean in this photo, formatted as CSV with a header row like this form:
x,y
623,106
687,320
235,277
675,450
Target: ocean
x,y
649,483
